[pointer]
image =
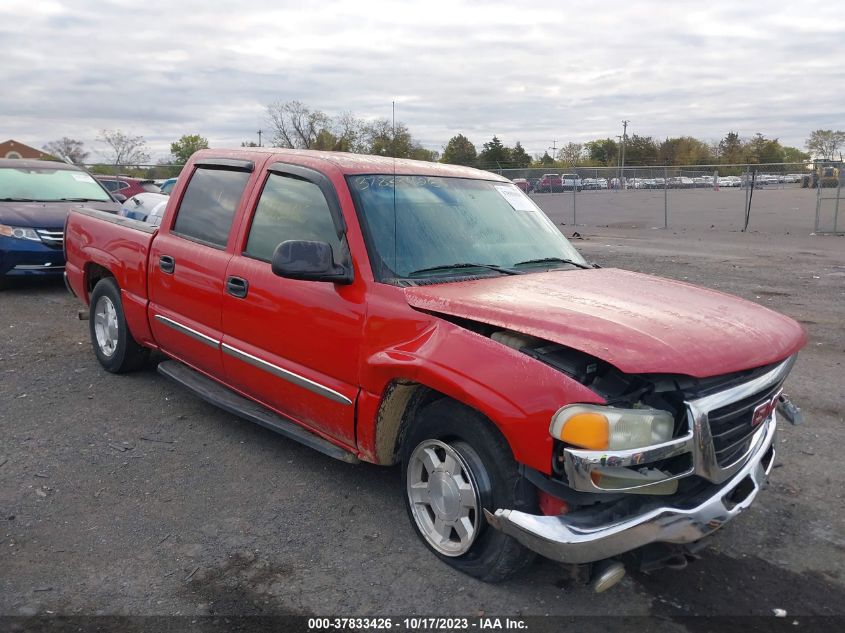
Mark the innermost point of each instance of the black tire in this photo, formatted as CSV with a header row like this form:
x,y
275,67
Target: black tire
x,y
127,355
493,556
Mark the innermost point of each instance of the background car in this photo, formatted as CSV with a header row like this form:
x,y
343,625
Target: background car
x,y
522,183
549,183
166,186
35,197
147,207
570,181
126,186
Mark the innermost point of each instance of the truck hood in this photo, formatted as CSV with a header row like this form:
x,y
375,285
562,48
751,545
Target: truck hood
x,y
45,215
636,322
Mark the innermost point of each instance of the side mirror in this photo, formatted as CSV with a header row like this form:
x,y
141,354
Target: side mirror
x,y
308,261
119,197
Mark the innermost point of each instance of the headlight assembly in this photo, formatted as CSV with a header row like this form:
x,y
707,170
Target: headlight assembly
x,y
19,233
609,428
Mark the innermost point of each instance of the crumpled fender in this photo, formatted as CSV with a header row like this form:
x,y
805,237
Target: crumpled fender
x,y
516,392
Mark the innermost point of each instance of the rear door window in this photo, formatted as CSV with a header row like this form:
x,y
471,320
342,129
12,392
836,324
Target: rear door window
x,y
208,207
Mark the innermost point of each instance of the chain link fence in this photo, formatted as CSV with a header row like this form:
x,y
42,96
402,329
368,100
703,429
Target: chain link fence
x,y
779,197
157,171
827,177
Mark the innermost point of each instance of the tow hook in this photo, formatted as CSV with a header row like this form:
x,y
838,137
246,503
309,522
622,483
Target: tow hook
x,y
792,413
606,574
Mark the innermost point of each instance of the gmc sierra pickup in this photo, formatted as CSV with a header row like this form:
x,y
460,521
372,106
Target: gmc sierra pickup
x,y
396,311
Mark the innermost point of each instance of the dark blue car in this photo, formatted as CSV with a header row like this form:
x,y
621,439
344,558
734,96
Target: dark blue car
x,y
35,197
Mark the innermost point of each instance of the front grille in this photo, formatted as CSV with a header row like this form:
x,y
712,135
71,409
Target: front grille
x,y
731,429
54,239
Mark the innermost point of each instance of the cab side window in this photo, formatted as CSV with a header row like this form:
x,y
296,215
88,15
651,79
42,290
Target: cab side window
x,y
290,208
209,204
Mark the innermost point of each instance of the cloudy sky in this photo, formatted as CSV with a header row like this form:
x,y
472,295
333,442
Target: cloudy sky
x,y
531,71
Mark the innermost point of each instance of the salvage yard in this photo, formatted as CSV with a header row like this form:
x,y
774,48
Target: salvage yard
x,y
128,495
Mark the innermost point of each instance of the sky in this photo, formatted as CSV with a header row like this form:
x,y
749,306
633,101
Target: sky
x,y
542,73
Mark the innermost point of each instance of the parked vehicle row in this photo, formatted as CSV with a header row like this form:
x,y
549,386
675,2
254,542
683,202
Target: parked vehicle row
x,y
550,183
432,316
35,197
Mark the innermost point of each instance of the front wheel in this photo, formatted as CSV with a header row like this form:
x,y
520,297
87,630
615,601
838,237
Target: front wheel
x,y
113,344
456,464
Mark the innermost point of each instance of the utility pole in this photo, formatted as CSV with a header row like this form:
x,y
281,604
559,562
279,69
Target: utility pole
x,y
259,138
625,123
554,150
618,157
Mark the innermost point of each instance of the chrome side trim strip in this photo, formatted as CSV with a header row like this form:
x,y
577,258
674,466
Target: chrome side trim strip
x,y
290,376
184,329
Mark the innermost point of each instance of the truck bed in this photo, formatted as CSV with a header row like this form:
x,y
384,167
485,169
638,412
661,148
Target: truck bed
x,y
121,245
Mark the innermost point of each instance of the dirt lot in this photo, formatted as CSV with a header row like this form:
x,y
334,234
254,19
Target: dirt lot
x,y
127,495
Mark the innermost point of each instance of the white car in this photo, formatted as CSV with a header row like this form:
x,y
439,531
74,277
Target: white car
x,y
147,207
570,182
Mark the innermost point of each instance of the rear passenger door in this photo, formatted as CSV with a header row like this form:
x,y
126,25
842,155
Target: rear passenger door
x,y
293,345
188,261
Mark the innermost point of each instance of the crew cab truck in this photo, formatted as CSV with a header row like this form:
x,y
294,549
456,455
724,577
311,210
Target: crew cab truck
x,y
395,311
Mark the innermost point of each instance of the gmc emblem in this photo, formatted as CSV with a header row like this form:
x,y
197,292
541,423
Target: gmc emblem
x,y
764,411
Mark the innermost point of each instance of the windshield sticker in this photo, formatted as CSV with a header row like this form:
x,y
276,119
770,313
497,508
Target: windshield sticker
x,y
515,197
83,178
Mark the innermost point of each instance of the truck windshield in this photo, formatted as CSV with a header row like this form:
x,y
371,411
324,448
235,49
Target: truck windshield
x,y
425,223
45,184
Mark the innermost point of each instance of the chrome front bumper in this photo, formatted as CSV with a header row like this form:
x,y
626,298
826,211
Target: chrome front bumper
x,y
570,540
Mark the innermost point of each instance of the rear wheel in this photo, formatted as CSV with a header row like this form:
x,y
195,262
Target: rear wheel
x,y
455,464
113,344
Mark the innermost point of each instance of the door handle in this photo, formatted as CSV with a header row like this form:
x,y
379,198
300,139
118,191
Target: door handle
x,y
167,264
237,287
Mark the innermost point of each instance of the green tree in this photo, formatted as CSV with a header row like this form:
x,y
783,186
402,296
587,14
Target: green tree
x,y
546,161
185,147
824,143
382,138
684,150
764,150
602,152
519,157
641,150
494,154
459,151
794,155
731,149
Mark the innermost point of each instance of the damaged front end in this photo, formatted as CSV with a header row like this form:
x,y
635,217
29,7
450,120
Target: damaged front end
x,y
666,461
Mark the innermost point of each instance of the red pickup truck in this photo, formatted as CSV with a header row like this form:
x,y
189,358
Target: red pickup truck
x,y
396,311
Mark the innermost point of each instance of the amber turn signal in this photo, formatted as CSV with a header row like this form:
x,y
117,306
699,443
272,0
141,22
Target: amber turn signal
x,y
589,430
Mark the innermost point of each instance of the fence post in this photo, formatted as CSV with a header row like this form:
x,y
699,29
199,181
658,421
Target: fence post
x,y
665,197
574,177
746,173
816,170
838,196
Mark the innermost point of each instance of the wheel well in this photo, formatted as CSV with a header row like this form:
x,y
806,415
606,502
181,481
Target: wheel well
x,y
399,407
93,274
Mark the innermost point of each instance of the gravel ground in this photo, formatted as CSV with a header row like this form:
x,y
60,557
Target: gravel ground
x,y
128,495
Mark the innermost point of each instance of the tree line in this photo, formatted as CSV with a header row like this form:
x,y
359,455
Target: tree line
x,y
295,125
